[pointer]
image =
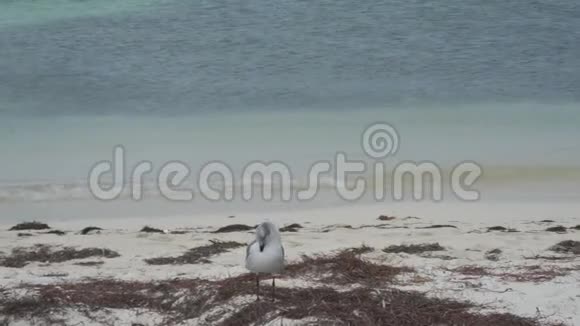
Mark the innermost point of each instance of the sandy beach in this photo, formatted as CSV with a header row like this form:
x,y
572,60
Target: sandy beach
x,y
500,257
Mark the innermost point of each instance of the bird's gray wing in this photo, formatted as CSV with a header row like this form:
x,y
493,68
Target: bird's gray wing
x,y
248,248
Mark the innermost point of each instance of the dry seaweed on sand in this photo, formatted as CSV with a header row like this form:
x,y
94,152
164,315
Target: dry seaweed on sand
x,y
372,307
345,267
567,247
558,229
181,300
442,257
57,232
179,232
363,249
553,258
20,257
404,308
30,226
337,226
577,227
501,229
414,248
196,255
535,274
99,294
471,270
493,254
89,263
234,228
291,228
384,226
148,229
386,218
90,229
438,226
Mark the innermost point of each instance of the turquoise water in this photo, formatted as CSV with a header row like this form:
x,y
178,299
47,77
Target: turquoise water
x,y
497,83
176,57
38,12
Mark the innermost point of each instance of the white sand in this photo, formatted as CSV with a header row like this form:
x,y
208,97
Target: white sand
x,y
557,299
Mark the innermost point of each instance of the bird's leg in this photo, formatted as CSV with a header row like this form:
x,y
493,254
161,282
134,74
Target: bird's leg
x,y
257,287
258,315
273,287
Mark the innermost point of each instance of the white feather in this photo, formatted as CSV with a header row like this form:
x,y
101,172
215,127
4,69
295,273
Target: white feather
x,y
269,258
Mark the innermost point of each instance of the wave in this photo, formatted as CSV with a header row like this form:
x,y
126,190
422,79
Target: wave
x,y
81,191
500,177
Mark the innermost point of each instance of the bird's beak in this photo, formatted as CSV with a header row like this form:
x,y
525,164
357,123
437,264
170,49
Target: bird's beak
x,y
262,244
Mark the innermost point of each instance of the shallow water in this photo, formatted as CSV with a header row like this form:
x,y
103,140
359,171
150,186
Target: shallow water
x,y
495,83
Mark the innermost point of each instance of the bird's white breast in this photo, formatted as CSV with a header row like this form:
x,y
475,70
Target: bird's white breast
x,y
269,260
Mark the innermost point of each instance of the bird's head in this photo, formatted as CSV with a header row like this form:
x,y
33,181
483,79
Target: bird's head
x,y
265,233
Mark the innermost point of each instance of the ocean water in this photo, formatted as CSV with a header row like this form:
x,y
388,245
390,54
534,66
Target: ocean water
x,y
291,81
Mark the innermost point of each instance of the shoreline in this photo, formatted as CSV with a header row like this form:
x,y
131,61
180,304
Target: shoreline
x,y
485,211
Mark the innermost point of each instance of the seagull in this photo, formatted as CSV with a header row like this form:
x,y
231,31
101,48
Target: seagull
x,y
265,254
